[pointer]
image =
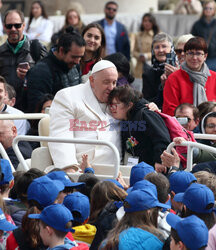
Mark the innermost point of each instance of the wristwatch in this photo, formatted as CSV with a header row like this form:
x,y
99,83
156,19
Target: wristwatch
x,y
173,169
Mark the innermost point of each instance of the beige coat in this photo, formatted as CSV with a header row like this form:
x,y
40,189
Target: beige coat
x,y
143,42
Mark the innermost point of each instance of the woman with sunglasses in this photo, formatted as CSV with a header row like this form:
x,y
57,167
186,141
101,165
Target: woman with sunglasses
x,y
193,83
39,27
179,47
206,27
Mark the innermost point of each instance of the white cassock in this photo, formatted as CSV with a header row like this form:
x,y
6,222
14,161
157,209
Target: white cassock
x,y
76,113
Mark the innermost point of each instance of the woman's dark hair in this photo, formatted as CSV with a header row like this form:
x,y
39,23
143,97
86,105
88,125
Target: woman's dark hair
x,y
43,12
100,52
24,181
146,220
13,191
44,98
38,109
125,94
30,228
208,218
205,108
152,20
101,194
90,181
122,64
212,114
196,43
176,238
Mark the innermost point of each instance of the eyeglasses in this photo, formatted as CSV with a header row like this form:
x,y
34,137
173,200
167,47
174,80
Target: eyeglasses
x,y
113,9
179,51
10,26
208,8
211,126
114,105
197,54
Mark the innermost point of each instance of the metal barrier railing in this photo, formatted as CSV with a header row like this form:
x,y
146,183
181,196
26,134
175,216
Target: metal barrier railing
x,y
65,140
190,145
5,156
28,116
205,136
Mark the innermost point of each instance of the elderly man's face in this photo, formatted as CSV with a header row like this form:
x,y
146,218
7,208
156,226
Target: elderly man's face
x,y
103,82
187,112
7,133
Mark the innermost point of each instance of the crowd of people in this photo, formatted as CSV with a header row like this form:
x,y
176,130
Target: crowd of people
x,y
83,76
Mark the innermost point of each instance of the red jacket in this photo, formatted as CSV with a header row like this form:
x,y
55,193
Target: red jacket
x,y
178,89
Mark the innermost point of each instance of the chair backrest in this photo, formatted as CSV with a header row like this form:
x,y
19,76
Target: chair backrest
x,y
41,158
43,129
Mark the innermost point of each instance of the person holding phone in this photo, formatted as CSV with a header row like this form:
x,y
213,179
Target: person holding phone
x,y
15,54
193,83
162,52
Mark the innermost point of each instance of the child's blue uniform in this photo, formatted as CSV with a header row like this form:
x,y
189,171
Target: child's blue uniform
x,y
68,244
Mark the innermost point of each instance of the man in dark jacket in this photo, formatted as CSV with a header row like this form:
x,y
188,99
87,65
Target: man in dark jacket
x,y
116,34
14,51
8,132
60,69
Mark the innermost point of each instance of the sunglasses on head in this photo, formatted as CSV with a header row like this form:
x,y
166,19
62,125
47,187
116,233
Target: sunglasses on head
x,y
10,25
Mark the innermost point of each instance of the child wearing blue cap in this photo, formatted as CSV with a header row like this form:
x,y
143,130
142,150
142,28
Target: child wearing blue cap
x,y
41,193
198,200
187,233
179,182
65,179
55,223
79,206
138,227
5,228
6,184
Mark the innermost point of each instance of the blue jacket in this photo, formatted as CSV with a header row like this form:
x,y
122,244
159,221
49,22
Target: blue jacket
x,y
68,244
122,41
136,238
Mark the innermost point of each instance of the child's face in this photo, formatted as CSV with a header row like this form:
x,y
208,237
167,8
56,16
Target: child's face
x,y
173,245
44,234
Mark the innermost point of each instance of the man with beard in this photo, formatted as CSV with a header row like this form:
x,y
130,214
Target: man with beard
x,y
15,57
58,70
116,34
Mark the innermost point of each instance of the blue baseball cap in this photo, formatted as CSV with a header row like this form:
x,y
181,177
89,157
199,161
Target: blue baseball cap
x,y
140,200
139,171
56,216
4,224
64,178
192,231
197,197
180,181
118,184
80,203
44,190
6,171
143,184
